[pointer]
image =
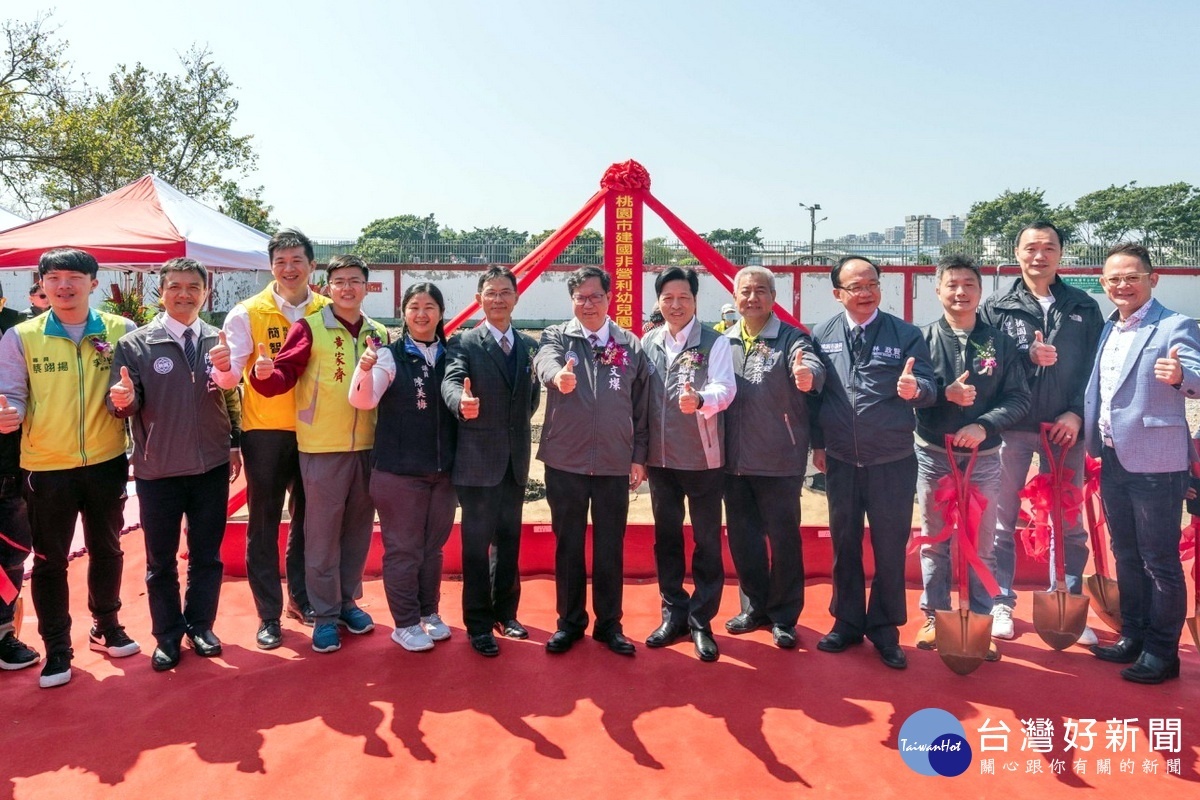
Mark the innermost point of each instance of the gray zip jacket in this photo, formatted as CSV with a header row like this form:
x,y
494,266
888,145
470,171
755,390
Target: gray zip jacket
x,y
183,423
601,428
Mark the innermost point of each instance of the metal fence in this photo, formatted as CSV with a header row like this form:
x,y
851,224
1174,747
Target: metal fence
x,y
660,252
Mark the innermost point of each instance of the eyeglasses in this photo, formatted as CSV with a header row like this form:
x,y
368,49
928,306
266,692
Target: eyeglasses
x,y
507,294
1131,280
871,287
587,299
349,284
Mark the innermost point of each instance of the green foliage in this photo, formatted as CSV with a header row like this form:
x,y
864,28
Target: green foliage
x,y
406,239
493,245
1145,213
587,248
1011,211
128,303
736,244
247,207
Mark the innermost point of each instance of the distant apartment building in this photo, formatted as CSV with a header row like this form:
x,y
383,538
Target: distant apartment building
x,y
922,229
893,235
953,229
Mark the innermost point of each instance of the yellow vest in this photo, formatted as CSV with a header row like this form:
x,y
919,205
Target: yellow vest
x,y
66,423
269,325
325,420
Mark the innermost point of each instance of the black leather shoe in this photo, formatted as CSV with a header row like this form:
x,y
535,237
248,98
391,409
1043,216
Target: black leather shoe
x,y
512,630
485,645
165,656
835,642
305,614
893,656
1123,651
666,634
270,635
618,643
706,647
561,641
205,643
784,636
1151,669
745,623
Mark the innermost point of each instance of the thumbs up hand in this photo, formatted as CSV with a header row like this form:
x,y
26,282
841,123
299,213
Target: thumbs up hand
x,y
960,392
564,381
264,365
689,401
10,420
802,373
906,386
121,392
1042,354
218,356
468,405
367,360
1169,370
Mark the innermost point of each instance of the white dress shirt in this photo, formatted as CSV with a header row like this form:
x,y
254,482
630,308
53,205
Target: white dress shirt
x,y
241,344
1112,361
718,392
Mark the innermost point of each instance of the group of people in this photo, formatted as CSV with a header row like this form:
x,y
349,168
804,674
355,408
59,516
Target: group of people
x,y
310,398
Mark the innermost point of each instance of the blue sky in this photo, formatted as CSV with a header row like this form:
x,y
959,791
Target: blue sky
x,y
508,113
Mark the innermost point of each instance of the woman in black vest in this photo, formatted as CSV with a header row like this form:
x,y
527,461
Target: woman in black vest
x,y
414,450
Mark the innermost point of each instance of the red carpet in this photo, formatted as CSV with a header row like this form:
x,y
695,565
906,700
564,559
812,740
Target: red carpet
x,y
373,720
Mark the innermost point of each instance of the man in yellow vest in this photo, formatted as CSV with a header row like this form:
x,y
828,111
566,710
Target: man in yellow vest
x,y
269,450
54,377
335,440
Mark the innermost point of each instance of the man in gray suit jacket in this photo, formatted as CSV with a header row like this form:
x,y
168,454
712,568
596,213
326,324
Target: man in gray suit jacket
x,y
489,383
1134,419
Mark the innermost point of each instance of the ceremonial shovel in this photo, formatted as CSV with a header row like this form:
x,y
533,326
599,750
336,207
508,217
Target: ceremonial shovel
x,y
1058,617
1192,620
1102,587
963,637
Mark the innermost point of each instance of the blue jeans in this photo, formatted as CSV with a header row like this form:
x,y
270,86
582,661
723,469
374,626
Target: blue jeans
x,y
936,572
1143,511
1015,457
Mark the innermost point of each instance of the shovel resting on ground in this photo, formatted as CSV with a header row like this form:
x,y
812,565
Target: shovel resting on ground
x,y
1058,616
963,637
1101,586
1192,620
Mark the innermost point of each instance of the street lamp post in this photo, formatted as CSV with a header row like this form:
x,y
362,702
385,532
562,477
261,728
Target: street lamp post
x,y
812,236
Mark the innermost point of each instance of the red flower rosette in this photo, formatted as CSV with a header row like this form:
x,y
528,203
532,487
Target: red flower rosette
x,y
627,176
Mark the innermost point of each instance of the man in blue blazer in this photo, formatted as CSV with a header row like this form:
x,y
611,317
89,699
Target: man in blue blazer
x,y
1147,365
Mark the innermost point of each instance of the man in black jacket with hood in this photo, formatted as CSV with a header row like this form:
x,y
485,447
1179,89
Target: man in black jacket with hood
x,y
1056,327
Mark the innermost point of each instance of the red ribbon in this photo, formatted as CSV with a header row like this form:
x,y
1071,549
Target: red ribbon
x,y
628,176
8,590
1040,494
1096,518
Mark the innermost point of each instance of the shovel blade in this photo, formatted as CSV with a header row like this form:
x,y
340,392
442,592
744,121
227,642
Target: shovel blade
x,y
1059,618
963,639
1106,599
1194,626
18,616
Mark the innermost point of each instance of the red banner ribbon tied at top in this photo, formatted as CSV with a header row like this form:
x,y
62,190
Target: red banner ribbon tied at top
x,y
8,591
1040,494
945,500
1096,518
628,176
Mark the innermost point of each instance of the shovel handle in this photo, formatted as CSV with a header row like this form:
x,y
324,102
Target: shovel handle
x,y
1058,462
964,537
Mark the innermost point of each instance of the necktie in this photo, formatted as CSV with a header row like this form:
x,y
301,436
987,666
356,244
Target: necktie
x,y
504,345
189,348
856,342
593,340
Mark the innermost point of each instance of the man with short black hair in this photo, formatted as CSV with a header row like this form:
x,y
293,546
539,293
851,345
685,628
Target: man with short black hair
x,y
1135,420
877,372
54,376
1056,327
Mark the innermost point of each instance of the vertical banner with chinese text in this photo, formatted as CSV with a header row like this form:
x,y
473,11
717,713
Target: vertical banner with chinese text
x,y
623,258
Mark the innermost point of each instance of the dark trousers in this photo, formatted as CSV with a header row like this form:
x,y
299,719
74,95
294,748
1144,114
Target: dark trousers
x,y
56,498
884,493
1143,516
416,515
491,548
163,503
762,510
272,465
14,526
702,489
569,496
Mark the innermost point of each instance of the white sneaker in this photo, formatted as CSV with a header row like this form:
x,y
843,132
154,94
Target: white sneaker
x,y
413,638
1002,623
1087,638
437,630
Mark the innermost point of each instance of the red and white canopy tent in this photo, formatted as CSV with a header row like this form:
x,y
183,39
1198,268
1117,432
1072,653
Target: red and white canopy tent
x,y
138,227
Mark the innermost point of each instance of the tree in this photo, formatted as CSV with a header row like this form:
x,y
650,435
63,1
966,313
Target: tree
x,y
406,239
1011,211
492,245
735,244
1146,213
587,248
247,208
